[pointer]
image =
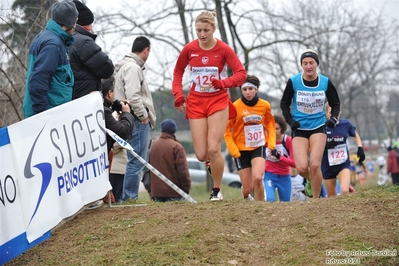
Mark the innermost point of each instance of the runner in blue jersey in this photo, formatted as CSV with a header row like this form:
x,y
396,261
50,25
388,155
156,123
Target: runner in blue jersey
x,y
303,108
336,162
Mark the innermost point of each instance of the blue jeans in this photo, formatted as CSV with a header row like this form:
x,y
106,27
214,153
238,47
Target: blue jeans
x,y
134,168
281,182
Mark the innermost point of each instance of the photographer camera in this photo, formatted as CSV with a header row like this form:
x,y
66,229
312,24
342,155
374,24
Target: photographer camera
x,y
122,126
117,106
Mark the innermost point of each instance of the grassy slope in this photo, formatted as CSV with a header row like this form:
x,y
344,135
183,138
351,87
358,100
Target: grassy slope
x,y
232,232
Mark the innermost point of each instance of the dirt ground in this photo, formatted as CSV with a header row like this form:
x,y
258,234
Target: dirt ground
x,y
362,228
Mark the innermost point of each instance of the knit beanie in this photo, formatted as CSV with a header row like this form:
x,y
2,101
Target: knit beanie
x,y
64,13
310,53
169,126
85,15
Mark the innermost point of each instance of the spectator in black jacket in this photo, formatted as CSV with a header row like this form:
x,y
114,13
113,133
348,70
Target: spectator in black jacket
x,y
123,126
89,63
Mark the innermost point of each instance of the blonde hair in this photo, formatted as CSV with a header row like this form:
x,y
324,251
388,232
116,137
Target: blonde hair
x,y
207,17
310,50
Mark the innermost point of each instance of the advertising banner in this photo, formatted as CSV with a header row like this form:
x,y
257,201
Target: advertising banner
x,y
51,165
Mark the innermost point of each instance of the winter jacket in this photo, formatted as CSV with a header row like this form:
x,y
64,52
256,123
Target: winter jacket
x,y
123,128
130,84
120,160
88,62
169,157
49,79
393,161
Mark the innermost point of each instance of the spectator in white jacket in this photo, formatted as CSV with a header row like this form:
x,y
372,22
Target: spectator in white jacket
x,y
131,85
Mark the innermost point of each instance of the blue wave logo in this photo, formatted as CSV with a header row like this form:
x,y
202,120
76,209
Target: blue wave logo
x,y
45,169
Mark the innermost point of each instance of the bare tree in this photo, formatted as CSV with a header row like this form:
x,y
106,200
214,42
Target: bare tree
x,y
17,31
356,50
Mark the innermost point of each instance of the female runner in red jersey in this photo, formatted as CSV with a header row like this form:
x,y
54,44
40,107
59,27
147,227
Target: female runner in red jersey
x,y
207,104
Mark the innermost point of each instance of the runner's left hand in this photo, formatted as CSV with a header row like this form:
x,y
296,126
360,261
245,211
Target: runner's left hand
x,y
360,154
217,84
332,122
276,154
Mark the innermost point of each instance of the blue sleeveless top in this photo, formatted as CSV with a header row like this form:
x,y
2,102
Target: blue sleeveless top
x,y
308,103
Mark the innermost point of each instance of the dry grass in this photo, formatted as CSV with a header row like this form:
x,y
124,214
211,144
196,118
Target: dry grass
x,y
231,232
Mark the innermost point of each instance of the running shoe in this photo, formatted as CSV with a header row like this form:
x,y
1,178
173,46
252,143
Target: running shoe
x,y
308,189
208,166
249,198
95,205
216,195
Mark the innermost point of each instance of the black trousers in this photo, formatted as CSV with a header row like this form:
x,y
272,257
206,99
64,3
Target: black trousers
x,y
116,181
395,178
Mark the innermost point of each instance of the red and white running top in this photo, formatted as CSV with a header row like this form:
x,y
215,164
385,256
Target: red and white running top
x,y
205,65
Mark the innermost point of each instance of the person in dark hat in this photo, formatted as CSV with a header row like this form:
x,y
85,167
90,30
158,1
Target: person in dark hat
x,y
169,126
302,104
49,78
89,63
85,17
169,157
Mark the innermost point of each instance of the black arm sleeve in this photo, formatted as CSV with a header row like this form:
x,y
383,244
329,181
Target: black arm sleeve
x,y
122,128
95,60
333,99
286,100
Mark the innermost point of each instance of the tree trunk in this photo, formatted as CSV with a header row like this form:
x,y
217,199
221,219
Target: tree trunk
x,y
43,14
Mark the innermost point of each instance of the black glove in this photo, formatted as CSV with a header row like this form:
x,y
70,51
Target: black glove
x,y
360,154
332,122
276,154
330,145
294,125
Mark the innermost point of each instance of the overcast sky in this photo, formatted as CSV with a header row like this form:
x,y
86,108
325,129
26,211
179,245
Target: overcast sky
x,y
390,7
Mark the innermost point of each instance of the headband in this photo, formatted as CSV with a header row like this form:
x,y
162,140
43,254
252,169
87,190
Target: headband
x,y
249,84
311,54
